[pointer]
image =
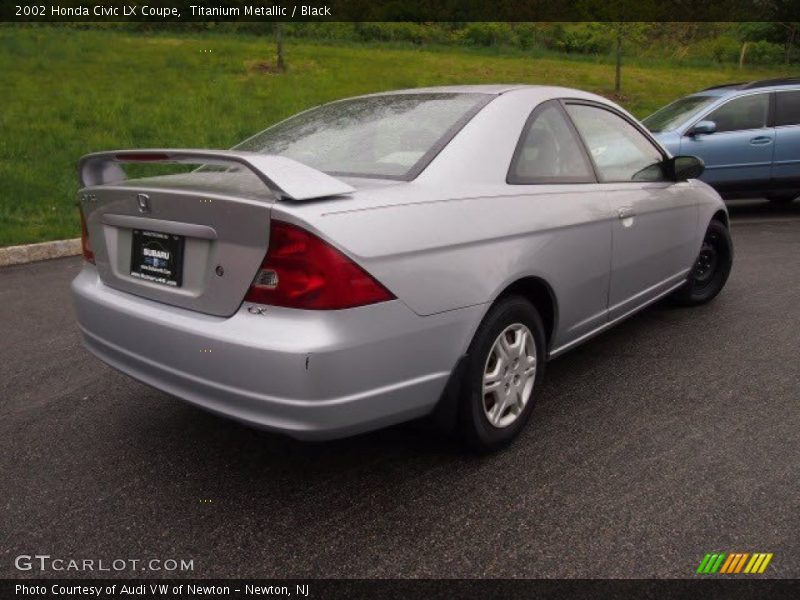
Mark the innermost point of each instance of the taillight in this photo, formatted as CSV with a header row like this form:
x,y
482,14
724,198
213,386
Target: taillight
x,y
302,271
86,248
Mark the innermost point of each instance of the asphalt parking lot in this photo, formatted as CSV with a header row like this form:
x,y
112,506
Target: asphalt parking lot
x,y
673,435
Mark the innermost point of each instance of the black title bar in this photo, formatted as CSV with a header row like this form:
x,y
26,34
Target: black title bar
x,y
416,589
398,10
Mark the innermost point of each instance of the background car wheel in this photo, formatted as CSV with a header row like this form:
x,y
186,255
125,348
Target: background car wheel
x,y
782,198
711,269
505,366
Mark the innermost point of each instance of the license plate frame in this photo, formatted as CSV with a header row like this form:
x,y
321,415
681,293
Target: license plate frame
x,y
157,257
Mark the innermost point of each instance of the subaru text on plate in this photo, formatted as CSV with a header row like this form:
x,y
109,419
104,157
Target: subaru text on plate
x,y
392,256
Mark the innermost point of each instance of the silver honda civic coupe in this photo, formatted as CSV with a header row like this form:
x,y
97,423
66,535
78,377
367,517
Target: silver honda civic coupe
x,y
393,256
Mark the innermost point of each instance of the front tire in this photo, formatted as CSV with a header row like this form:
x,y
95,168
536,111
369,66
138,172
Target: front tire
x,y
711,269
505,366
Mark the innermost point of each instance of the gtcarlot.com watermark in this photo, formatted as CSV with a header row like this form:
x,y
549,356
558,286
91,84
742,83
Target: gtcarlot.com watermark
x,y
41,563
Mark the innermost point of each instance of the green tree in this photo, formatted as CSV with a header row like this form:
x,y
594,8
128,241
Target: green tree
x,y
624,33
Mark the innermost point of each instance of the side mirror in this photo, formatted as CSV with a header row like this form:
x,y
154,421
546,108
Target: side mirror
x,y
685,167
702,128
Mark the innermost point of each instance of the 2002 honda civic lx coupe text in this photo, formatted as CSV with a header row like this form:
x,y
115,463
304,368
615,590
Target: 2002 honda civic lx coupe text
x,y
392,256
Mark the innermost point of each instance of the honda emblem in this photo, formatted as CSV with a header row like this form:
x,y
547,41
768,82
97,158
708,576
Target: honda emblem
x,y
144,202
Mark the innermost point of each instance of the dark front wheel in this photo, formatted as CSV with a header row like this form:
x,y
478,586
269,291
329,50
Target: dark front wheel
x,y
505,366
711,269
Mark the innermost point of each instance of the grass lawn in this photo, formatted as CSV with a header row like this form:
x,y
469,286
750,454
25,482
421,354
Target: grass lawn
x,y
69,92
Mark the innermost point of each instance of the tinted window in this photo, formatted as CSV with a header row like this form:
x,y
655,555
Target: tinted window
x,y
787,108
549,152
375,136
619,150
672,115
747,112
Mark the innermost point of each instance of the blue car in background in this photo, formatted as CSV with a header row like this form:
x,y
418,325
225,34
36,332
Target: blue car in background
x,y
748,135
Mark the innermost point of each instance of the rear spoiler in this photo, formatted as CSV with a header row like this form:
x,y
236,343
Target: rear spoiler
x,y
286,177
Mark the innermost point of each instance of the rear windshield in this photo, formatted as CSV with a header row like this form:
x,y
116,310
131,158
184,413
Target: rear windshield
x,y
392,136
672,115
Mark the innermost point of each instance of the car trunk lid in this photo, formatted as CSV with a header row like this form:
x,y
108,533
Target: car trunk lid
x,y
192,240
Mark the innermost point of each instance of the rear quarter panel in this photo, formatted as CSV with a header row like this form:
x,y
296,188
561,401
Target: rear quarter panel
x,y
443,255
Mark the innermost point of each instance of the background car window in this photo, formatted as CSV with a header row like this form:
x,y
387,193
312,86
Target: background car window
x,y
619,150
672,115
747,112
550,152
787,108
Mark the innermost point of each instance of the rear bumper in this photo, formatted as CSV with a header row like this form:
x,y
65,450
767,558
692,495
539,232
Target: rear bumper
x,y
309,374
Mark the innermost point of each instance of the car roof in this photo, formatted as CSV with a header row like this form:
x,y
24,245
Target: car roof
x,y
536,93
493,89
765,84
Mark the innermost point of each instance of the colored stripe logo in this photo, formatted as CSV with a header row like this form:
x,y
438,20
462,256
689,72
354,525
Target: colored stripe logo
x,y
734,563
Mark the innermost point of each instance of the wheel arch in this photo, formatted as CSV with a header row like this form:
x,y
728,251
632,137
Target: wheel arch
x,y
722,217
539,293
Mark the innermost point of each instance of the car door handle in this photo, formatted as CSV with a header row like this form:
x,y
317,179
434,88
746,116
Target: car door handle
x,y
626,212
760,140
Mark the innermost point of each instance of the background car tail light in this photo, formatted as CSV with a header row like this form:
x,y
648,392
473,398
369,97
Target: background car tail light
x,y
86,248
302,271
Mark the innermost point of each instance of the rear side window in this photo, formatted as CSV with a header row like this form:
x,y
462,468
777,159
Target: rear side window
x,y
747,112
548,151
619,150
787,108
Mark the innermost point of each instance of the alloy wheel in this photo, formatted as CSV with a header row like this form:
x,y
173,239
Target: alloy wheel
x,y
509,375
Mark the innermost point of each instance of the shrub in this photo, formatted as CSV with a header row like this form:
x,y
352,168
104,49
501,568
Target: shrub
x,y
487,34
722,49
526,36
764,53
584,38
417,33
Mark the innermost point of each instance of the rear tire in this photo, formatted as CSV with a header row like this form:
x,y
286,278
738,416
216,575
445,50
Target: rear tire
x,y
711,269
505,366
